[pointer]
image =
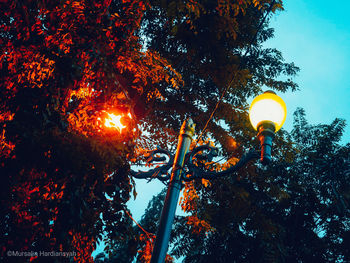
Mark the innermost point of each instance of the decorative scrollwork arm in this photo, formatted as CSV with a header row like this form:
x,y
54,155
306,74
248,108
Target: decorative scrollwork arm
x,y
194,171
160,172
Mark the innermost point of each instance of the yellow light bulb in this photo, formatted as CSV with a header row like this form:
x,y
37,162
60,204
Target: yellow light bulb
x,y
268,107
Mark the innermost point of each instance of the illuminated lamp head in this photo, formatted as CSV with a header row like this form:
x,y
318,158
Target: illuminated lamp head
x,y
267,113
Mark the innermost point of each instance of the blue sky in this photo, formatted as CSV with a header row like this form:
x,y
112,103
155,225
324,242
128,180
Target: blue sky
x,y
315,35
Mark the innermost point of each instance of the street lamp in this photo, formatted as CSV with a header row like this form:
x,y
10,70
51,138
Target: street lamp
x,y
267,114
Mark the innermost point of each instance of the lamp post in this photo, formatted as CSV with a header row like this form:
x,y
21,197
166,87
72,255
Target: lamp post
x,y
267,114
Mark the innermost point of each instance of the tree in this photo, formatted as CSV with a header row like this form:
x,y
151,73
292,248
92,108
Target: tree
x,y
296,210
218,50
64,65
143,234
139,243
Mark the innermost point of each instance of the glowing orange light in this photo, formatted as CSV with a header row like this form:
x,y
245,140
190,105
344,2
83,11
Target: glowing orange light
x,y
113,121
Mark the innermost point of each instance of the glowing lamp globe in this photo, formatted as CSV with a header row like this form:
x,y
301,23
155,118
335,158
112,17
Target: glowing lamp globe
x,y
267,114
268,107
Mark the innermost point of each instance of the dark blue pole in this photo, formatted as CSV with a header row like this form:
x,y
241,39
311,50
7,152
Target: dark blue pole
x,y
172,196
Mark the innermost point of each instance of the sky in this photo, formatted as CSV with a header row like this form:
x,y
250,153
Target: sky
x,y
315,35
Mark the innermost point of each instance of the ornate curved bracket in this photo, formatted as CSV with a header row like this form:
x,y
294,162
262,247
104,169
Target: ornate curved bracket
x,y
195,171
191,170
160,172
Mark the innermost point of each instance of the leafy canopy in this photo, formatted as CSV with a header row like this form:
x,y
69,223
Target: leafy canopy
x,y
66,64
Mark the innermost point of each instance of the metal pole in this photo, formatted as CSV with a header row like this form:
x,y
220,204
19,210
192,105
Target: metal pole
x,y
172,196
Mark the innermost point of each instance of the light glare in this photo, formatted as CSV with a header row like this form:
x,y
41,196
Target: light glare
x,y
113,121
